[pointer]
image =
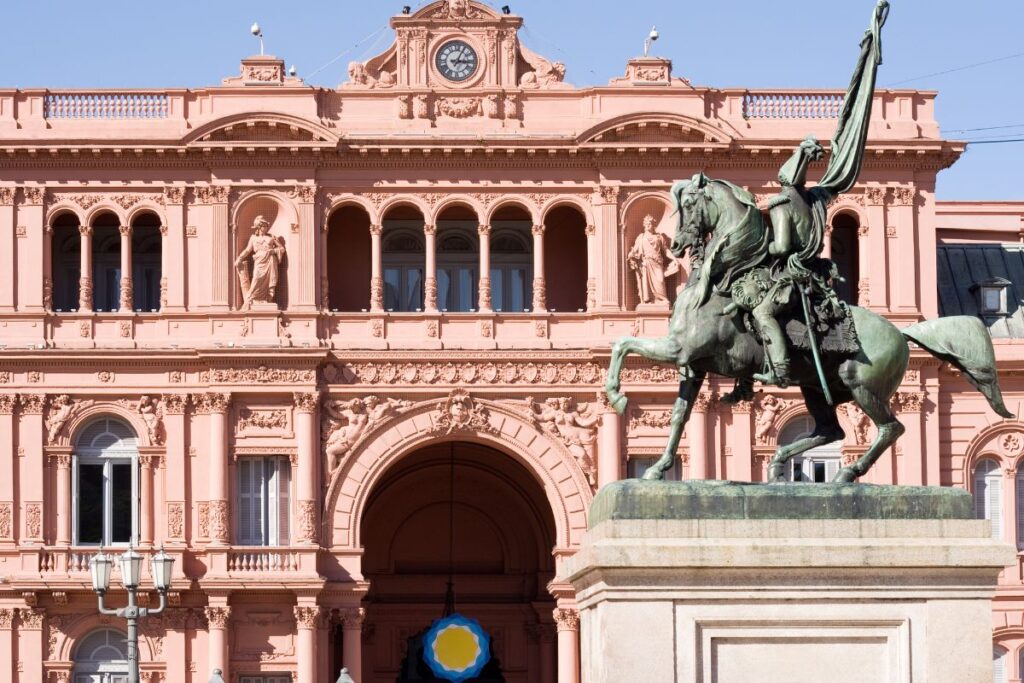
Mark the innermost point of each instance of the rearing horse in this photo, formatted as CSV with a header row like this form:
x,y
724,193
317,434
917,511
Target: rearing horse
x,y
720,225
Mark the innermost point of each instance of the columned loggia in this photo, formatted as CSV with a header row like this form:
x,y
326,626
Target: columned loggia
x,y
85,271
484,303
307,476
430,277
126,269
377,269
539,291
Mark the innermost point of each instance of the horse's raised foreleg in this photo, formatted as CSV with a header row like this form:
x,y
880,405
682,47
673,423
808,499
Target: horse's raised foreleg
x,y
688,390
826,430
664,350
889,430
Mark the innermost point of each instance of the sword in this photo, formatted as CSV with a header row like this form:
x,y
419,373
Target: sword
x,y
814,344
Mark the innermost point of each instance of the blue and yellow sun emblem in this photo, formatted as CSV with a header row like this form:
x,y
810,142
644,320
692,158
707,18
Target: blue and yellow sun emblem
x,y
456,648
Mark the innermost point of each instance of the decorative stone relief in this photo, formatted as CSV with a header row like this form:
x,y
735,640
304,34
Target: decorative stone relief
x,y
6,520
152,411
32,404
859,420
566,619
650,419
61,409
904,196
460,413
307,617
250,420
908,401
31,619
469,373
575,425
875,196
218,617
259,264
307,521
768,407
175,520
212,194
345,423
34,520
260,375
218,518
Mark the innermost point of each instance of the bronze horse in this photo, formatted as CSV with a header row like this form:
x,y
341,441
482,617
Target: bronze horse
x,y
724,231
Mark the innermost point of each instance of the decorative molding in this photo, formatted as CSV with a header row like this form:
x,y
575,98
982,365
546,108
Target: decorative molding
x,y
259,375
908,401
481,373
176,520
32,404
859,421
6,520
218,617
345,423
34,521
306,514
7,403
575,425
218,520
460,413
31,619
651,419
261,420
306,617
210,403
875,196
904,196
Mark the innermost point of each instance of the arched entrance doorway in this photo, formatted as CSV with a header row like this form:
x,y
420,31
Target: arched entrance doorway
x,y
504,533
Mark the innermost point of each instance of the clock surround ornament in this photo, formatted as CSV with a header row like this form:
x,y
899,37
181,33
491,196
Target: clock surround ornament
x,y
457,61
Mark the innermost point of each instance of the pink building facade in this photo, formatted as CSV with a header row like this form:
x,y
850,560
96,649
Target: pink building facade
x,y
293,335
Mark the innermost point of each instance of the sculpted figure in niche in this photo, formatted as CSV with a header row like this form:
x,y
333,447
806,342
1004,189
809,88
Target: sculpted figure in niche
x,y
651,261
62,408
575,425
264,252
152,414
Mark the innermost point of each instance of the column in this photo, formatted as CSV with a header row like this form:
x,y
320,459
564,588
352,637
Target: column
x,y
567,621
484,303
85,276
31,653
8,250
742,439
540,299
911,461
606,218
871,245
376,269
6,644
175,484
306,618
697,436
173,253
176,653
609,454
352,641
31,468
146,502
593,264
903,237
30,276
126,268
302,269
63,463
306,479
547,654
218,618
216,406
217,242
430,276
7,501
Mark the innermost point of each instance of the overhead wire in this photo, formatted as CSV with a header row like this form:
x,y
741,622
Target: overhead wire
x,y
959,68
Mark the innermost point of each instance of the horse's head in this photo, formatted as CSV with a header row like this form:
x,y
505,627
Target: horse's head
x,y
694,205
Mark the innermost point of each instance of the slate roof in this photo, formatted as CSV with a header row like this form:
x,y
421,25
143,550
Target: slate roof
x,y
961,266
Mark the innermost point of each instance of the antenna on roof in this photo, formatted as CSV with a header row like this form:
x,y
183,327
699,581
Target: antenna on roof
x,y
651,37
258,32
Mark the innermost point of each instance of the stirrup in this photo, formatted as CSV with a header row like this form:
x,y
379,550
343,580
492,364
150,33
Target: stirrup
x,y
777,375
742,392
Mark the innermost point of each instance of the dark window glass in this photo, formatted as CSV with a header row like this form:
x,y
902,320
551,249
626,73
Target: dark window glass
x,y
121,505
90,504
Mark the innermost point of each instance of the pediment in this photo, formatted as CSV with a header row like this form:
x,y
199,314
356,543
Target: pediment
x,y
262,129
649,130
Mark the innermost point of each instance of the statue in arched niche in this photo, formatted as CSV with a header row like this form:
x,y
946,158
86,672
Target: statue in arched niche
x,y
259,264
652,261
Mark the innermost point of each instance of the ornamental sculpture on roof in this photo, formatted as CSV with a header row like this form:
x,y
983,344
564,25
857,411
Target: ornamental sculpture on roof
x,y
760,304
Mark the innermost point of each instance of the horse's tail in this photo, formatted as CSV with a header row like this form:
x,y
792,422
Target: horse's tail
x,y
964,342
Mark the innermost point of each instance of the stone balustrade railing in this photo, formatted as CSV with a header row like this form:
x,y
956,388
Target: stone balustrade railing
x,y
65,561
252,561
101,105
792,105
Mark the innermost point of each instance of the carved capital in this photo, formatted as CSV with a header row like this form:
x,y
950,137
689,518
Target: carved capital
x,y
306,617
7,403
306,402
218,617
704,402
212,194
538,230
174,195
908,401
904,196
483,230
875,196
429,229
32,404
175,404
566,619
85,230
34,196
31,619
211,403
352,618
376,230
6,619
303,193
6,196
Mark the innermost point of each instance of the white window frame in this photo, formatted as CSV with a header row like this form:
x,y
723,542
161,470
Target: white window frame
x,y
987,480
90,670
1000,660
637,466
270,505
829,456
108,457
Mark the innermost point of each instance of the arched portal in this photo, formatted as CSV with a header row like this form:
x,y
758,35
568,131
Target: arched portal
x,y
102,657
469,507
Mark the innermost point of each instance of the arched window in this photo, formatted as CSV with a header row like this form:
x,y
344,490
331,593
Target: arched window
x,y
988,495
846,255
106,263
565,259
511,260
65,263
818,465
403,269
458,270
102,657
106,484
349,254
147,257
999,664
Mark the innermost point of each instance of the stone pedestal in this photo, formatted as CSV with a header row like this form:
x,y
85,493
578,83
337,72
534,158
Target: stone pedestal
x,y
714,582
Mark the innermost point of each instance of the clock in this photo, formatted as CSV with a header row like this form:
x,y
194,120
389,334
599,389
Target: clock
x,y
457,60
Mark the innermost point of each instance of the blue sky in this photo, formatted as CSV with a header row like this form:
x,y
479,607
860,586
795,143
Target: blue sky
x,y
721,43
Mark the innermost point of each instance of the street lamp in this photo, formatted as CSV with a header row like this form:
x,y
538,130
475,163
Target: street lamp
x,y
160,566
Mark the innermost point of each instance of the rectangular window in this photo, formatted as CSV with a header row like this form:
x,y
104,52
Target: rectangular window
x,y
636,467
90,504
264,486
121,502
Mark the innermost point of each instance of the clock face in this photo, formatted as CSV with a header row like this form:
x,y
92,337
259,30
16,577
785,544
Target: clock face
x,y
457,60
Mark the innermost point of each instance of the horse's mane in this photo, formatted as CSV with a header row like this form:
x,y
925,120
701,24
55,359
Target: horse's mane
x,y
734,249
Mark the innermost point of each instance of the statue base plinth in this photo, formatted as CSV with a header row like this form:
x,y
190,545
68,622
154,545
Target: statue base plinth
x,y
656,307
263,307
719,582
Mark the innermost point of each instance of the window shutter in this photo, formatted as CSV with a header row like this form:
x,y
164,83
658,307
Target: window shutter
x,y
250,488
995,502
1020,511
284,479
998,665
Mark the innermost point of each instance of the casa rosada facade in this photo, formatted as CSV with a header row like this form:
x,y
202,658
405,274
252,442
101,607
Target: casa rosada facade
x,y
295,335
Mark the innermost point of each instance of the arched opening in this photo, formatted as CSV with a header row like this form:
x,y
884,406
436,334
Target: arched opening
x,y
458,259
102,657
846,255
653,276
106,490
565,259
348,260
147,257
262,277
404,256
511,260
988,494
65,262
106,263
818,465
504,533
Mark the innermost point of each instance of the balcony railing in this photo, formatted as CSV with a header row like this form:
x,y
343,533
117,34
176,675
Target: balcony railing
x,y
794,105
253,561
65,561
106,105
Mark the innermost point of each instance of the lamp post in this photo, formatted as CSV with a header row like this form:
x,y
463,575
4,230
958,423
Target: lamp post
x,y
160,566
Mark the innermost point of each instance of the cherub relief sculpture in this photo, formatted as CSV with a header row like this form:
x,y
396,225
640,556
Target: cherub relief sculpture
x,y
768,408
259,264
62,409
346,422
651,261
545,74
360,76
152,411
576,426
